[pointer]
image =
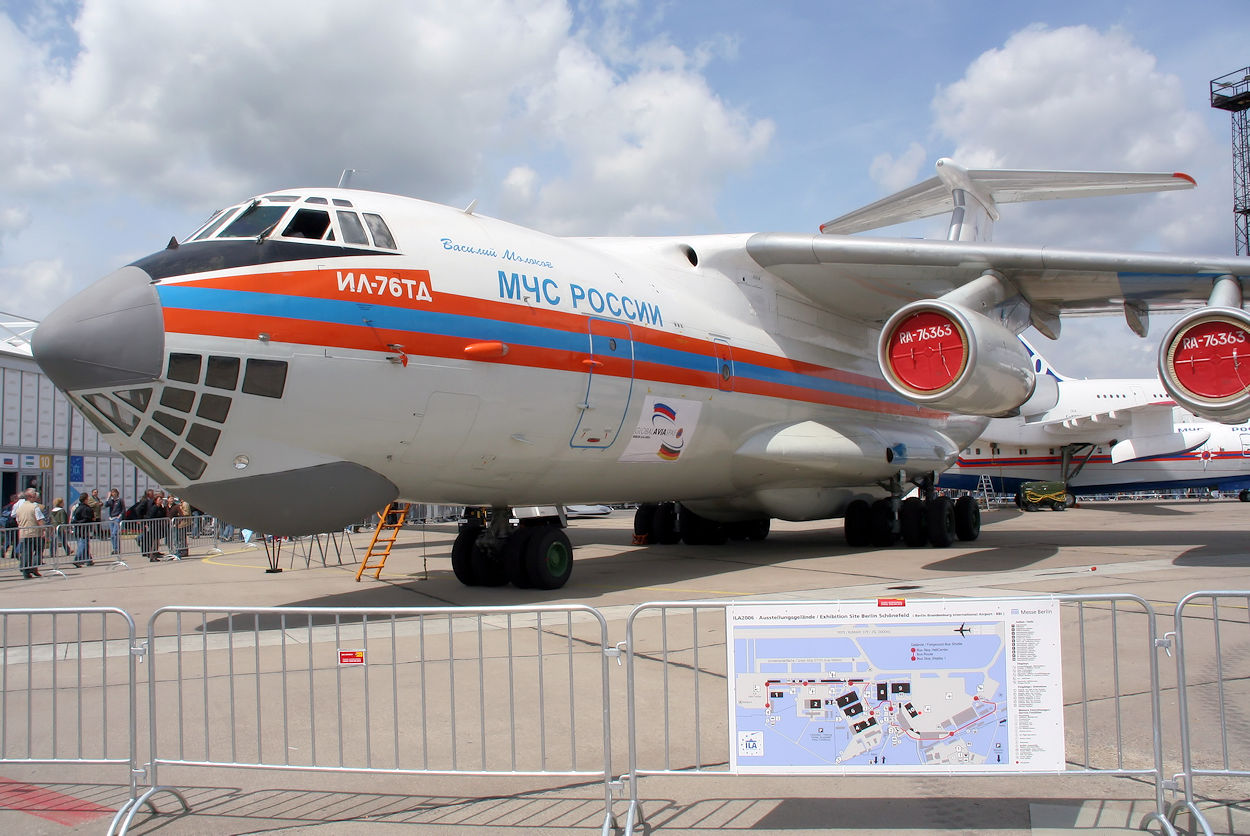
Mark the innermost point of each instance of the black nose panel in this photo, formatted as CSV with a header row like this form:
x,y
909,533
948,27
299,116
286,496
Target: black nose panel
x,y
111,334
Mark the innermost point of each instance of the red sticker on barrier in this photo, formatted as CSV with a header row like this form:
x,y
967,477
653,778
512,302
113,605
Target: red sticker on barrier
x,y
351,657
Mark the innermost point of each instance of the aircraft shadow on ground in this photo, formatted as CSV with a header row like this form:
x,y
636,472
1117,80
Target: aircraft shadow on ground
x,y
1001,559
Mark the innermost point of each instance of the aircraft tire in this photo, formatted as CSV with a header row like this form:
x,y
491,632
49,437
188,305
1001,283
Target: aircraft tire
x,y
462,554
1244,496
857,524
697,530
911,522
940,519
514,560
644,519
664,524
967,518
883,523
488,566
752,530
549,557
1069,500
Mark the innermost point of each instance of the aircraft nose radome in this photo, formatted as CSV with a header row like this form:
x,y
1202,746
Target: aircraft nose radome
x,y
111,334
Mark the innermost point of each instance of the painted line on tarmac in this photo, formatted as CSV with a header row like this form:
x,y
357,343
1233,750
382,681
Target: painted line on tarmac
x,y
49,804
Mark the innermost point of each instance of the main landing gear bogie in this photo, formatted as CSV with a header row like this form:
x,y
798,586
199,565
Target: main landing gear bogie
x,y
668,523
938,522
529,556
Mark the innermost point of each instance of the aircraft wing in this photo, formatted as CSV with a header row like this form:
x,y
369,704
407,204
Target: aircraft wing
x,y
869,278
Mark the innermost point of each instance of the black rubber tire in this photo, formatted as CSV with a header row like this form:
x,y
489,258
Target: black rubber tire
x,y
664,526
697,530
752,530
1244,496
514,560
883,524
940,521
644,518
967,518
462,554
857,524
488,567
911,522
548,557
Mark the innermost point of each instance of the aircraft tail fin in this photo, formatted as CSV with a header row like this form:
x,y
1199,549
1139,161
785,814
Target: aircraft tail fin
x,y
1040,365
972,196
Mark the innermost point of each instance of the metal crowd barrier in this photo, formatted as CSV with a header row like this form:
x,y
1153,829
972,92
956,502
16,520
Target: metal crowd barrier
x,y
1110,678
436,691
1214,690
68,691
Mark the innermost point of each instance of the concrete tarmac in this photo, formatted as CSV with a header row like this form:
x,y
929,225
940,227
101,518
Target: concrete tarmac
x,y
1160,551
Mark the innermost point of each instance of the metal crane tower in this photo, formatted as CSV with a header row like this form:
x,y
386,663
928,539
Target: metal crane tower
x,y
1232,93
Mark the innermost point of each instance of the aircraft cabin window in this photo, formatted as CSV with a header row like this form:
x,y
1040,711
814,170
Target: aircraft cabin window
x,y
254,220
308,223
124,421
215,223
320,201
381,233
265,377
203,438
281,198
189,465
179,399
223,372
338,201
158,441
353,229
213,408
170,422
184,368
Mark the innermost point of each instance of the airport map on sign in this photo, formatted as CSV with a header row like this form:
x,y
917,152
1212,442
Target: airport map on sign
x,y
895,685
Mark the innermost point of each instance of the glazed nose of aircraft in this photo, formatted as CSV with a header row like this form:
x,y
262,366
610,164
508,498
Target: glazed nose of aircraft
x,y
111,334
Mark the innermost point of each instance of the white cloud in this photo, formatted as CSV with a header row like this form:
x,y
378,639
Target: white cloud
x,y
896,173
202,102
34,287
1078,98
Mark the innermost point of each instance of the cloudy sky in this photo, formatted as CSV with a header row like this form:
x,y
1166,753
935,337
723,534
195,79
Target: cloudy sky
x,y
128,121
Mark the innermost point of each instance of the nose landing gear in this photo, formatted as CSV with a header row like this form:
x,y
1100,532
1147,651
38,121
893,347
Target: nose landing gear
x,y
531,555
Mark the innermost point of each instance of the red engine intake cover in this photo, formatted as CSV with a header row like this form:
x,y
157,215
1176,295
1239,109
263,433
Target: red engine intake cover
x,y
928,351
1211,359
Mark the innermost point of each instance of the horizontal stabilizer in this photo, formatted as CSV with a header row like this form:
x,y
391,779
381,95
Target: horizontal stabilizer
x,y
1132,449
989,186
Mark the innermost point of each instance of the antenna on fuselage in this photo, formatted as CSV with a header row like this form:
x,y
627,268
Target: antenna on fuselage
x,y
346,177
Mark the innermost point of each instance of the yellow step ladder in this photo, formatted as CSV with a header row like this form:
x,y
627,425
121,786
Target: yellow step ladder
x,y
390,522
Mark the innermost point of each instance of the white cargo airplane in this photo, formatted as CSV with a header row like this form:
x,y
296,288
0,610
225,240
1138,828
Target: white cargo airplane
x,y
1105,435
311,354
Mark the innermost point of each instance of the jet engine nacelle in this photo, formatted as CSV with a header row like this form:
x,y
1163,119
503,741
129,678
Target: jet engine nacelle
x,y
945,356
1204,363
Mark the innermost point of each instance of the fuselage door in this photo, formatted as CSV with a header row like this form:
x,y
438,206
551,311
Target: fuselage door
x,y
609,383
724,365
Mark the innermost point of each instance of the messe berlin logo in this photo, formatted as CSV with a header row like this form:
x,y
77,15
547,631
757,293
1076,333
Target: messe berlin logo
x,y
750,744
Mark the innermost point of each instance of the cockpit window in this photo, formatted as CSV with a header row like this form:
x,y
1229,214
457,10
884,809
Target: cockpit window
x,y
308,223
353,229
381,234
254,220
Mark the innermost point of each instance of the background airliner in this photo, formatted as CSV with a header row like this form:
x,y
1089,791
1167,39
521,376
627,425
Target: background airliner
x,y
311,354
1104,436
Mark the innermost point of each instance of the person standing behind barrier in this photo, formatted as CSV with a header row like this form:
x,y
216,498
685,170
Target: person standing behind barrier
x,y
96,504
145,510
8,528
177,527
31,526
114,510
57,518
84,522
